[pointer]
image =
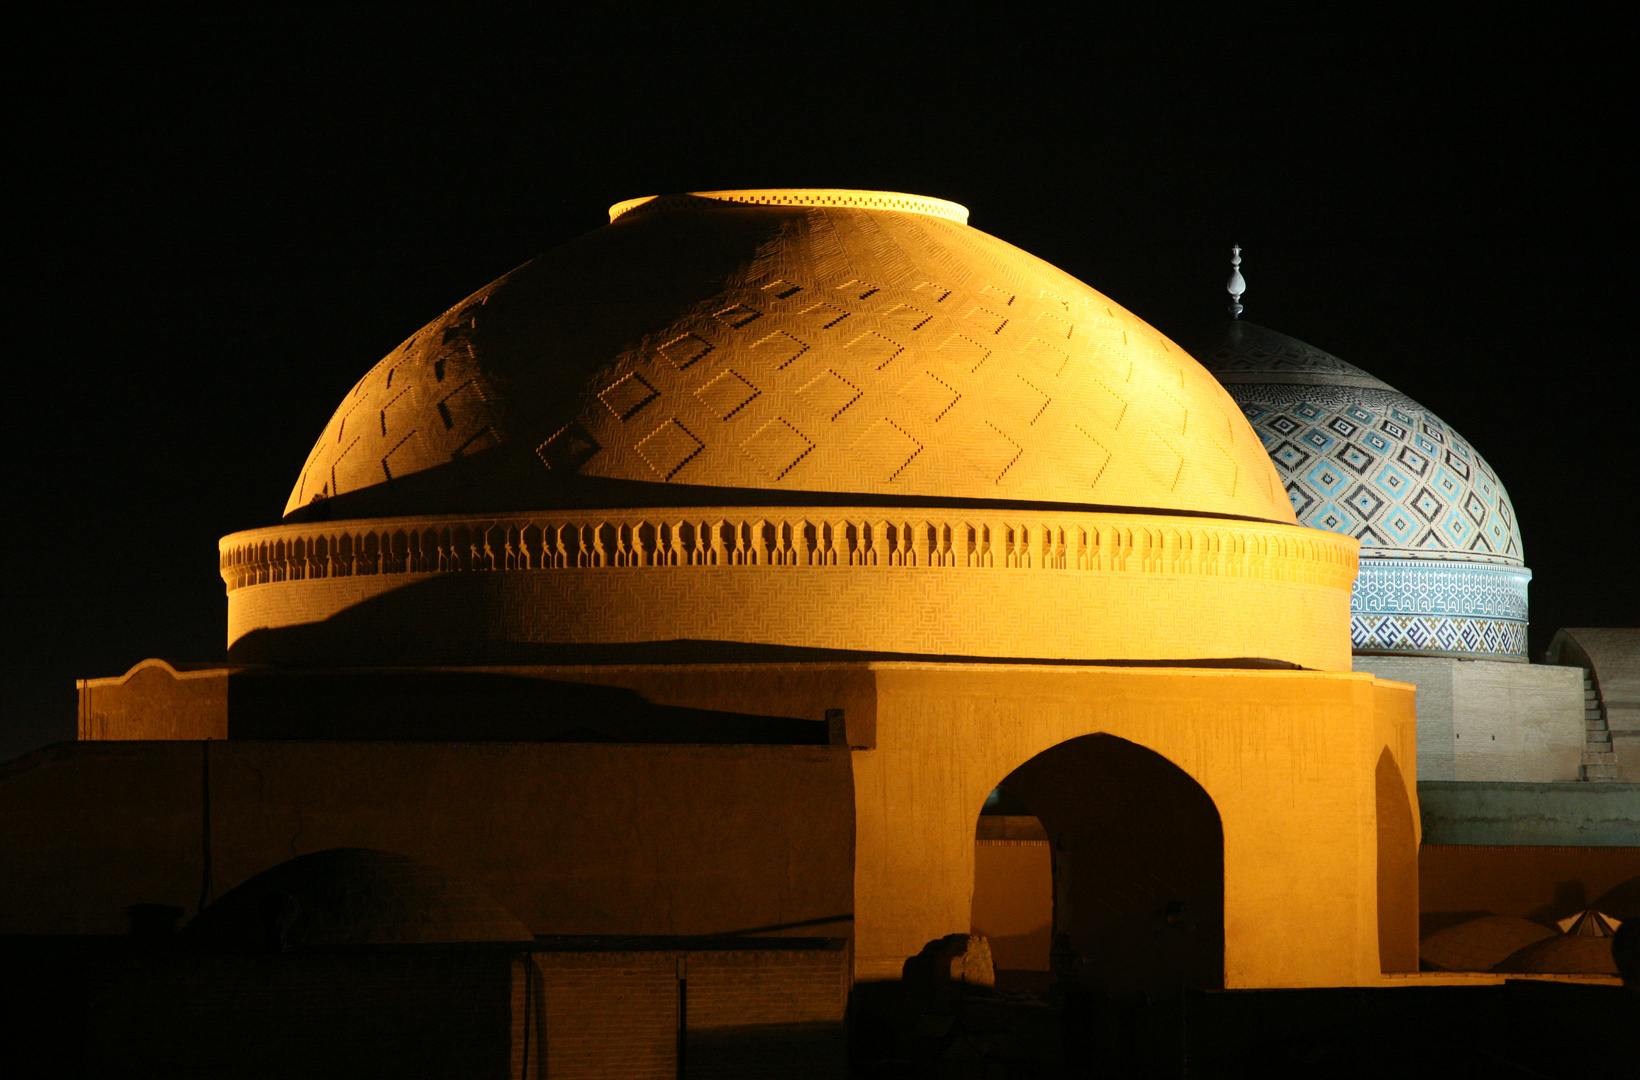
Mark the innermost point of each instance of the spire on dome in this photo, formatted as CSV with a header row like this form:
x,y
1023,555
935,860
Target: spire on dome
x,y
1237,284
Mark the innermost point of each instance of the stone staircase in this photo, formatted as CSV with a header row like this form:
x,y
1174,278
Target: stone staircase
x,y
1599,762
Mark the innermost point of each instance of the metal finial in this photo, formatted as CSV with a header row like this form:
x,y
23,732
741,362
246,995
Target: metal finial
x,y
1237,284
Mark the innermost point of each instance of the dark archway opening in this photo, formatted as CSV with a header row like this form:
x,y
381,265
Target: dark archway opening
x,y
1136,868
1397,870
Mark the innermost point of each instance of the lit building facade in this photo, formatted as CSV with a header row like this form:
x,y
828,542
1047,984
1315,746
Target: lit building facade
x,y
690,589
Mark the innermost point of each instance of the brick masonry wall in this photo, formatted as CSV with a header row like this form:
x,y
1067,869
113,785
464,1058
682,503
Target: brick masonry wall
x,y
1488,720
613,1016
155,701
607,1015
764,1014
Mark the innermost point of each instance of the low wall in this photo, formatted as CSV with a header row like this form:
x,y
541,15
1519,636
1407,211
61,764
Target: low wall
x,y
1578,815
1490,720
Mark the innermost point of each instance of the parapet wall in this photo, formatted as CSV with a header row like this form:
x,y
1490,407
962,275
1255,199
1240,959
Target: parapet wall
x,y
1487,720
1568,815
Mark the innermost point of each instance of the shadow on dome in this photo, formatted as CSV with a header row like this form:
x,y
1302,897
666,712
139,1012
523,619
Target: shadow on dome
x,y
500,480
350,897
393,630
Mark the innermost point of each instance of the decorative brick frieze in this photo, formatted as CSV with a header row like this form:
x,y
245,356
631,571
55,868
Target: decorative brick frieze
x,y
714,537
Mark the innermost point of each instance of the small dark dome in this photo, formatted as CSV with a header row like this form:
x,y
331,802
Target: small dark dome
x,y
1482,943
1565,954
353,896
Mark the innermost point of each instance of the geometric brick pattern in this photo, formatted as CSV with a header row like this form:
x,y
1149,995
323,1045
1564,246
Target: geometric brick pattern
x,y
1423,606
1437,634
836,348
1426,587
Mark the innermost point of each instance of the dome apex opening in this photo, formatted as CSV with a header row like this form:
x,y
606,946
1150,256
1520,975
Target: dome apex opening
x,y
869,200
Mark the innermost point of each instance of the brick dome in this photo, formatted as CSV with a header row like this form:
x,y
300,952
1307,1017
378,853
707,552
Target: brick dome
x,y
353,896
841,342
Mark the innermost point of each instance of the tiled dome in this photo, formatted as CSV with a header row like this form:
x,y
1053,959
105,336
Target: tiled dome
x,y
845,342
1441,560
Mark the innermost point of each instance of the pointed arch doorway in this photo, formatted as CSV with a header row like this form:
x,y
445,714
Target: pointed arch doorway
x,y
1100,864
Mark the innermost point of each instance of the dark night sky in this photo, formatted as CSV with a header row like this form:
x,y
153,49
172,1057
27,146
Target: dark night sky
x,y
229,218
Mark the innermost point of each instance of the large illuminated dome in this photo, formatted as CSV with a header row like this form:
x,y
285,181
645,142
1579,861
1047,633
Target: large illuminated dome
x,y
786,341
837,422
1441,563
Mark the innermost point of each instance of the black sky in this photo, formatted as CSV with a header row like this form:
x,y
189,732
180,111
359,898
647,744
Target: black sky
x,y
229,217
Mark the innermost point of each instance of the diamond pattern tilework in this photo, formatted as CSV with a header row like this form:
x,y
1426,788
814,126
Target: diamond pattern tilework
x,y
929,395
686,350
1289,455
567,449
738,315
1441,567
872,349
779,349
962,350
903,316
992,450
1302,499
1366,502
886,448
829,394
1416,488
825,316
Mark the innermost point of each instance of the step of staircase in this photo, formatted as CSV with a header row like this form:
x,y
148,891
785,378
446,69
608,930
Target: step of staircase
x,y
1599,762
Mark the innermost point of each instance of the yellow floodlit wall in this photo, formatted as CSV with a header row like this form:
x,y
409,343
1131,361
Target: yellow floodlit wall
x,y
1288,759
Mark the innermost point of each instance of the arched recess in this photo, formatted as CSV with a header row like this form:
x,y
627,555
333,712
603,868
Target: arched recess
x,y
1013,890
1397,869
1137,853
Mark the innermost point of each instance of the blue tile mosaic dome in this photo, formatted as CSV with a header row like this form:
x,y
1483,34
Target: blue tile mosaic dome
x,y
1442,572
